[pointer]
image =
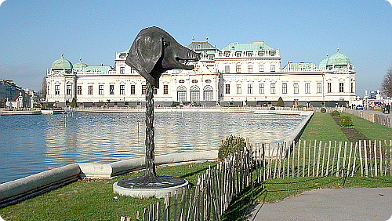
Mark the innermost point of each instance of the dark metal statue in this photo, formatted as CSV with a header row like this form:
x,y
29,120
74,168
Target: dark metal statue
x,y
153,52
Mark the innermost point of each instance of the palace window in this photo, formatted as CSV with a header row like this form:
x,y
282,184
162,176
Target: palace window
x,y
133,89
273,88
100,88
273,68
208,93
144,88
79,90
238,53
329,87
341,87
261,68
296,88
250,68
195,93
227,88
122,70
195,81
352,87
284,88
165,89
307,88
57,89
238,68
227,68
239,89
250,88
69,89
111,89
181,81
181,93
154,90
122,89
90,90
261,88
319,88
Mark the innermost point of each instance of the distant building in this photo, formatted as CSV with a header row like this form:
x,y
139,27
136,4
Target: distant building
x,y
237,75
12,96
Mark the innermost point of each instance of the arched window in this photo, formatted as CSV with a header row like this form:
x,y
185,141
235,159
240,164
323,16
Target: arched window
x,y
195,93
208,93
181,94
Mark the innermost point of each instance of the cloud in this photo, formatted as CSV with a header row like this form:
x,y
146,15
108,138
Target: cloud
x,y
390,1
1,2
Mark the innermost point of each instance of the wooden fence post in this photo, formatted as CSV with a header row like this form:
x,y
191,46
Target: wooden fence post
x,y
366,159
360,156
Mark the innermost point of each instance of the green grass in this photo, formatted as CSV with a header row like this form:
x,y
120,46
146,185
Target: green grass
x,y
322,127
93,199
288,187
371,130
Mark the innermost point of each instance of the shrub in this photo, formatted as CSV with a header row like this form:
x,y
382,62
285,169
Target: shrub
x,y
272,108
231,145
335,113
323,110
345,121
280,102
300,106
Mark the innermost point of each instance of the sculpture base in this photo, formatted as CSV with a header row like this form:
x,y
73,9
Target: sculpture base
x,y
143,187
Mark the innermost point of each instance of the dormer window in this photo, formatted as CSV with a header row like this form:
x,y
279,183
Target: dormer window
x,y
249,53
261,53
238,53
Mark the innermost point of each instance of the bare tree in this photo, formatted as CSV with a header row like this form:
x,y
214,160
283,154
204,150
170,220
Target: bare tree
x,y
44,87
386,85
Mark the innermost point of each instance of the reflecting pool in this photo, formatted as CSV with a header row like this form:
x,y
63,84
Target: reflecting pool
x,y
33,143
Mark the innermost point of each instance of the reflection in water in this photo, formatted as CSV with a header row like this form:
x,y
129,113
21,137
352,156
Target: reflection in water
x,y
32,144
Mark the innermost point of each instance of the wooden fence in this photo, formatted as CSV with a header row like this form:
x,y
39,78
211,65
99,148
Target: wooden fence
x,y
314,159
221,184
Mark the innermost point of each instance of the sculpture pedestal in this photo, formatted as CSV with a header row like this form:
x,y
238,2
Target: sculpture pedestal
x,y
142,187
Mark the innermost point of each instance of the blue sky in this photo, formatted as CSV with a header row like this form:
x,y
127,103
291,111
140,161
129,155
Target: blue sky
x,y
35,33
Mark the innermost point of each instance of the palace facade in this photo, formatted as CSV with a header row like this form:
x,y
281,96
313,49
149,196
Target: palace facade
x,y
237,75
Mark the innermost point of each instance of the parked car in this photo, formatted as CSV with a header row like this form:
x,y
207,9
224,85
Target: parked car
x,y
359,107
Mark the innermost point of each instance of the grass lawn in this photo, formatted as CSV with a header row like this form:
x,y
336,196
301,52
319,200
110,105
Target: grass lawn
x,y
371,130
93,199
322,127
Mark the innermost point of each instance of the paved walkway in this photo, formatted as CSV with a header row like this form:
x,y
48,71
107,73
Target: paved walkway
x,y
330,204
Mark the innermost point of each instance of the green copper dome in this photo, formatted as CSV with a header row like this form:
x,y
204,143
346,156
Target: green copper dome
x,y
323,63
338,59
80,65
62,64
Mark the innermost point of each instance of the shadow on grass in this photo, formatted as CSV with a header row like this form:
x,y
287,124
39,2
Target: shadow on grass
x,y
241,207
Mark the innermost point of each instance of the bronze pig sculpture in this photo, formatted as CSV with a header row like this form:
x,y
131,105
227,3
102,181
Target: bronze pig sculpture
x,y
155,51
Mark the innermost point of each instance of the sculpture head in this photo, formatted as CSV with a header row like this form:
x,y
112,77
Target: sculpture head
x,y
155,51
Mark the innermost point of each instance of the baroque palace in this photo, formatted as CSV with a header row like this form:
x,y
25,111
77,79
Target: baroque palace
x,y
237,75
